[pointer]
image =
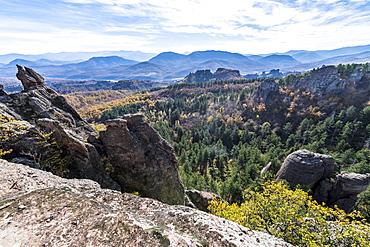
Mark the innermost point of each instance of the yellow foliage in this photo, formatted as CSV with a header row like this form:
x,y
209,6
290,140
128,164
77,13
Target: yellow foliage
x,y
83,100
295,217
315,111
261,108
292,106
95,112
9,127
209,119
229,121
99,127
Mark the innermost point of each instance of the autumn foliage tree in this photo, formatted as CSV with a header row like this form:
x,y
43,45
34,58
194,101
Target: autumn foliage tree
x,y
295,217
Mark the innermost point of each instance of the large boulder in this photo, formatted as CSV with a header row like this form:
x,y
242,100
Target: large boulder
x,y
317,171
306,168
201,199
142,160
41,209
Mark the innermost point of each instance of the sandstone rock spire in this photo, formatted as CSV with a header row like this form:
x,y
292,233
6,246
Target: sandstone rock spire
x,y
30,79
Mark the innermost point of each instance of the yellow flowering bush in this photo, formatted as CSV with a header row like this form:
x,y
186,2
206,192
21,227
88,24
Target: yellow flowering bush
x,y
295,217
9,128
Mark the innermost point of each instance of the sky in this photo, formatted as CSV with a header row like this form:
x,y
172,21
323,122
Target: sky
x,y
182,26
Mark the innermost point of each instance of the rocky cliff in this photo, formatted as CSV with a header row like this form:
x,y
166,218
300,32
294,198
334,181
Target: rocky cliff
x,y
133,85
207,75
41,209
45,132
325,80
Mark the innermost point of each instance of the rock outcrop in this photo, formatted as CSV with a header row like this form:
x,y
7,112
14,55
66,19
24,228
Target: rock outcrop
x,y
41,209
142,160
265,90
322,80
2,92
306,168
30,79
317,172
88,163
49,134
133,85
346,188
207,75
201,199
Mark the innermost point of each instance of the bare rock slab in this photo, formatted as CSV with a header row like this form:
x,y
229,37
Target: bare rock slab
x,y
38,208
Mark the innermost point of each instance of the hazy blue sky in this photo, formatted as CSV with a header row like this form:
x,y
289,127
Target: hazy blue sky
x,y
244,26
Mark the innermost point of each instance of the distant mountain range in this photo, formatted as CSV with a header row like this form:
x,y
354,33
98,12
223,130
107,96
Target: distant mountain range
x,y
166,66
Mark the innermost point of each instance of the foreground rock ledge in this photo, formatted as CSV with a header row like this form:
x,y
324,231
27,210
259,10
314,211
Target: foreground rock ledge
x,y
41,209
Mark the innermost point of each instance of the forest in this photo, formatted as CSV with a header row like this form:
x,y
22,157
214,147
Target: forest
x,y
223,137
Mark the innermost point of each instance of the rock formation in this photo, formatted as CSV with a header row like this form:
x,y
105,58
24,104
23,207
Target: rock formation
x,y
41,209
86,159
201,199
305,167
346,188
2,92
317,172
49,134
207,75
265,89
30,79
142,160
322,80
227,74
133,85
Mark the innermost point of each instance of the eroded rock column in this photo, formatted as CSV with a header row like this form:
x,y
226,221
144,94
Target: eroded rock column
x,y
142,160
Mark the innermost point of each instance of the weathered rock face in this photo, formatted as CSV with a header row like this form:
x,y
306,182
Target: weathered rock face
x,y
2,92
133,85
305,167
88,163
201,199
317,172
29,78
346,188
38,101
227,74
355,76
142,160
199,76
265,89
322,80
41,209
207,75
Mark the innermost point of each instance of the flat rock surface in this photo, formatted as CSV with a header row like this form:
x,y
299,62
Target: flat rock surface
x,y
41,209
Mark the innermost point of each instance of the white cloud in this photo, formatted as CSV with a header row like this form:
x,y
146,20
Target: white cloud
x,y
185,25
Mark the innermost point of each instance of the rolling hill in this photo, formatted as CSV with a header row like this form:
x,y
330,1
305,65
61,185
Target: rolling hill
x,y
173,66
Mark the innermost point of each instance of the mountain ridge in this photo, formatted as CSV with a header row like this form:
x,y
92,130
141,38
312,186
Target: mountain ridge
x,y
172,66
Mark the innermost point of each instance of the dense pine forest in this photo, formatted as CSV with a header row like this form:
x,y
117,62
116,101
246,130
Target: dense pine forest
x,y
223,135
